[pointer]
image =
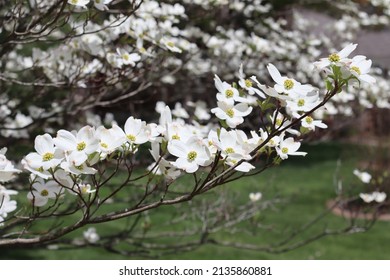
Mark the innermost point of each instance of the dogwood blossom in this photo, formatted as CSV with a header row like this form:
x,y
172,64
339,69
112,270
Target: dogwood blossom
x,y
310,123
7,169
288,147
287,85
110,139
43,191
338,58
247,84
227,93
91,236
47,155
359,67
79,3
363,176
254,197
136,131
128,58
79,144
101,4
6,204
190,154
378,197
232,114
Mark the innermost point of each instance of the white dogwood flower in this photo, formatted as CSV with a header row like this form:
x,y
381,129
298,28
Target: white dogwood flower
x,y
79,144
247,84
190,154
91,236
363,176
359,67
79,3
288,147
7,169
47,155
136,131
232,114
6,204
43,191
128,58
255,196
287,85
338,58
378,197
101,4
227,93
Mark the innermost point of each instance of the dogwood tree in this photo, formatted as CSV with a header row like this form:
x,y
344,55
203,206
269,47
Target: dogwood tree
x,y
64,62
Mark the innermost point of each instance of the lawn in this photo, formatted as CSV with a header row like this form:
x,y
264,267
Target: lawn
x,y
305,183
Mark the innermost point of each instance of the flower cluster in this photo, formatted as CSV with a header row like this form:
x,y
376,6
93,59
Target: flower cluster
x,y
7,172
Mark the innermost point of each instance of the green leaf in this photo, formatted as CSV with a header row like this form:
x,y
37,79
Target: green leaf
x,y
329,85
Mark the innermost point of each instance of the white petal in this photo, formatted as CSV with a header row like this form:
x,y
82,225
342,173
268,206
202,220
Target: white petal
x,y
275,74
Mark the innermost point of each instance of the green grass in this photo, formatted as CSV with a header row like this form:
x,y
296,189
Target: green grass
x,y
306,184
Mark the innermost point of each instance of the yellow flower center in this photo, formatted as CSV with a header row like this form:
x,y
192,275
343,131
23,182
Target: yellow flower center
x,y
44,193
175,137
81,146
47,156
40,169
288,84
284,150
356,69
229,93
104,145
309,120
248,83
278,122
74,2
229,150
301,102
334,57
170,44
131,137
125,56
230,113
191,156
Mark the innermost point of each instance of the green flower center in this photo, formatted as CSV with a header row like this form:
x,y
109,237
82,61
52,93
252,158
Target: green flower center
x,y
80,167
74,2
191,156
170,44
301,102
284,150
44,193
288,84
248,83
229,150
81,146
309,120
229,93
47,156
175,137
356,69
104,145
131,137
230,113
278,122
334,57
